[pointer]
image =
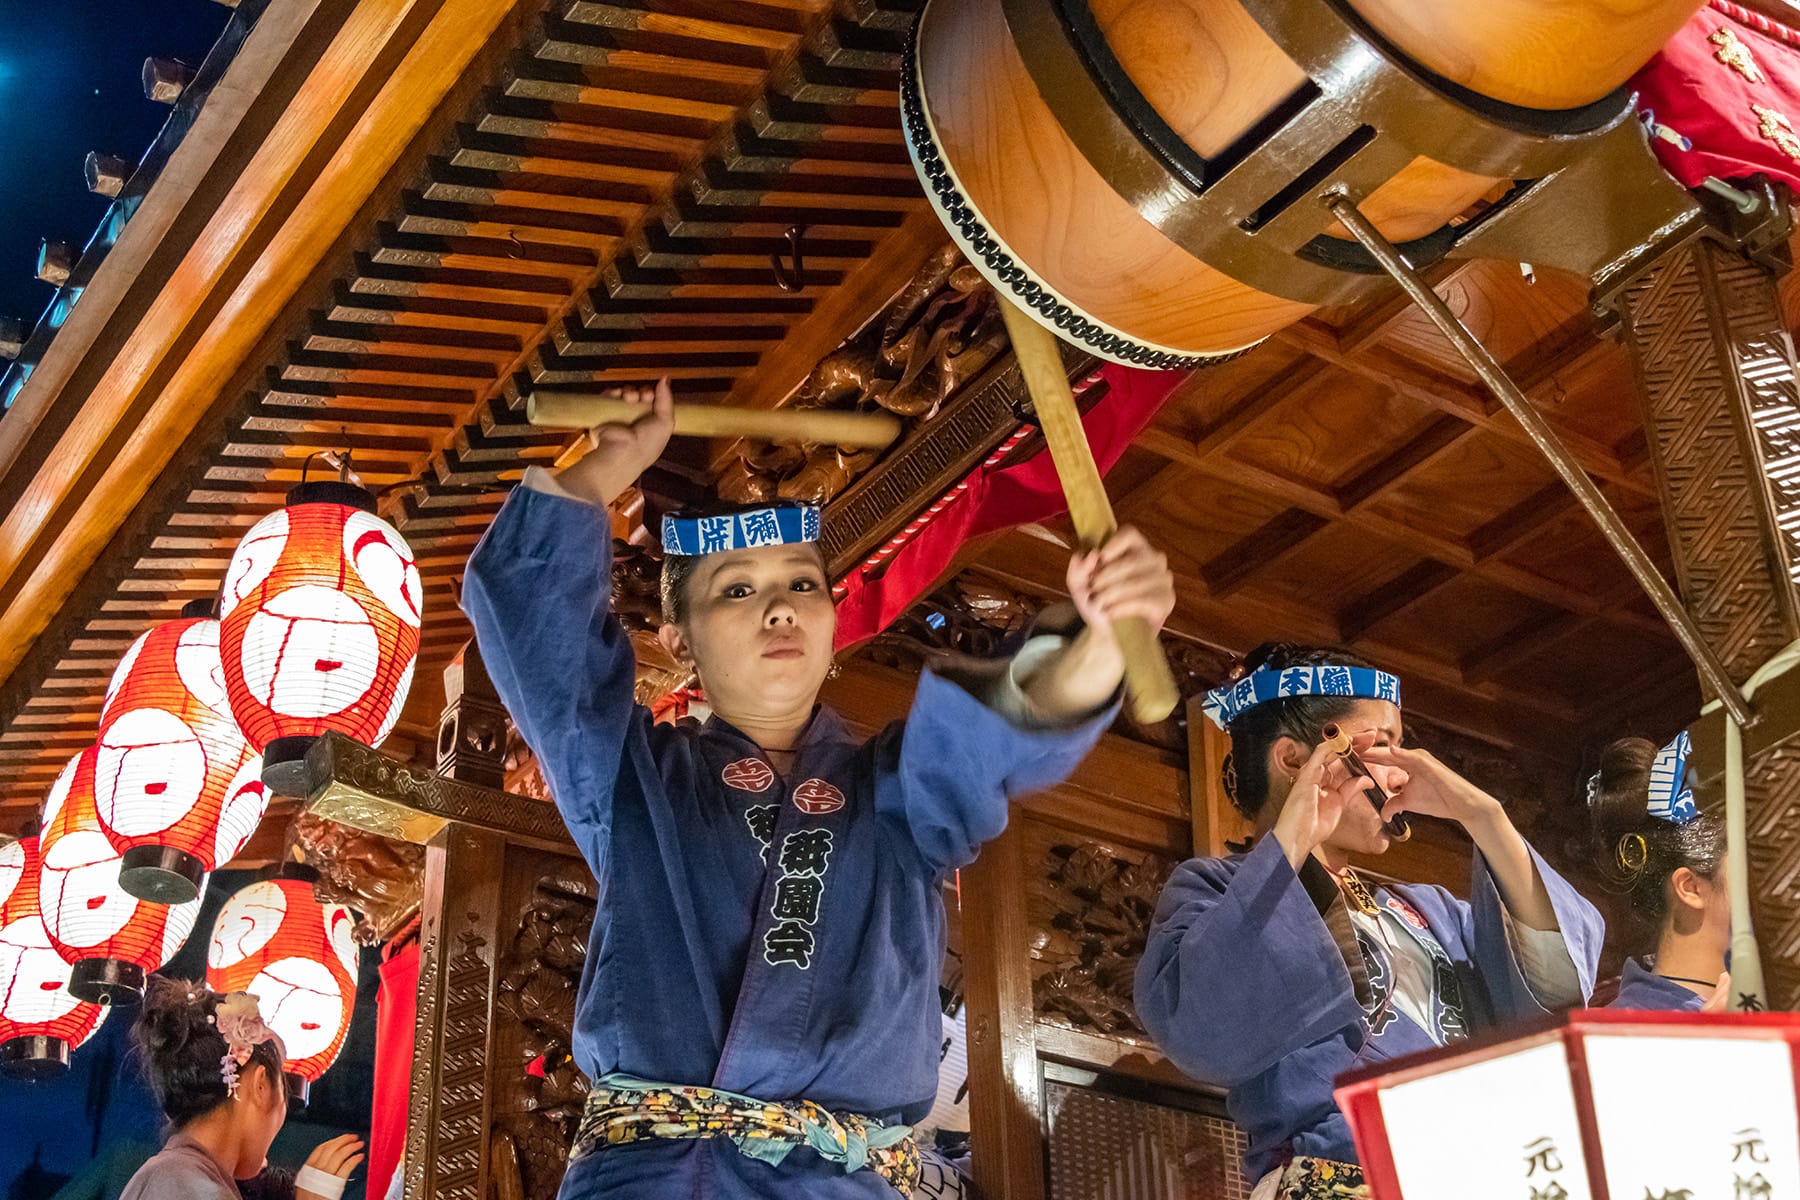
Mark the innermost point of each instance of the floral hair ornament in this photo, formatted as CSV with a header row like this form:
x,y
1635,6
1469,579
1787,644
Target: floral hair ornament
x,y
240,1023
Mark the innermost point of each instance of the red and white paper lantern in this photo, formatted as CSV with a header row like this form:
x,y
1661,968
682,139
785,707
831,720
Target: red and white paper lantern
x,y
40,1021
319,626
178,789
113,939
275,940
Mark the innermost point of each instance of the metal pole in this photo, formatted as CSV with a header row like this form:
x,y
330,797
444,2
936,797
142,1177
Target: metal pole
x,y
1598,507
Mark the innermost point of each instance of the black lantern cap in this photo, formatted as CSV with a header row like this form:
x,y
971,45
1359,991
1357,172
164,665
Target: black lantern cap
x,y
331,491
161,874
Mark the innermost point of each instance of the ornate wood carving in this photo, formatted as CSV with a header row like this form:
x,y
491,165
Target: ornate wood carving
x,y
968,615
472,731
523,775
1091,915
537,1111
1717,369
972,424
503,925
379,877
365,789
940,332
1704,327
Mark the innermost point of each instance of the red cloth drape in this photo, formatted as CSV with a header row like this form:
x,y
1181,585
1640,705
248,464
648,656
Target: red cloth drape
x,y
396,1006
1724,98
993,498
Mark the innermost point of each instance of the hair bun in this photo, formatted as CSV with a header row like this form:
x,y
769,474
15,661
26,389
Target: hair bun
x,y
1618,804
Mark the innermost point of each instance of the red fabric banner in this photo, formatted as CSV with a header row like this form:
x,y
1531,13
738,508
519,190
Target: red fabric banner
x,y
1723,98
396,1008
994,498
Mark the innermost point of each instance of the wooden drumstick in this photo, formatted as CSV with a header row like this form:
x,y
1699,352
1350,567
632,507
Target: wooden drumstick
x,y
1147,676
584,410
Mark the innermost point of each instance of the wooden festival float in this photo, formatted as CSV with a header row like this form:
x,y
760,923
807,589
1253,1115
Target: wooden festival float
x,y
381,236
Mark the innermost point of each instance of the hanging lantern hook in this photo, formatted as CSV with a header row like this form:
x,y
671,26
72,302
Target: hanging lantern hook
x,y
794,279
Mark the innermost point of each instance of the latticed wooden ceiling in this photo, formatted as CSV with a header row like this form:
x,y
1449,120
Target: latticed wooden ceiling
x,y
596,201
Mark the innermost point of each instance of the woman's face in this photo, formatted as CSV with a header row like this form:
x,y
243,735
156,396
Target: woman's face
x,y
758,629
1359,830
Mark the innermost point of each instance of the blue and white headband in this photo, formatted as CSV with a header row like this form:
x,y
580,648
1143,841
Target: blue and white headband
x,y
1671,798
1223,705
776,525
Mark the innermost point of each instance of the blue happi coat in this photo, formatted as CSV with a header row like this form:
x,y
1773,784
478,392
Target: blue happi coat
x,y
776,937
1642,989
1254,981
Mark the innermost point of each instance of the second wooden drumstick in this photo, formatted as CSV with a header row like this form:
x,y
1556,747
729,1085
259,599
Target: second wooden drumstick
x,y
852,430
1147,675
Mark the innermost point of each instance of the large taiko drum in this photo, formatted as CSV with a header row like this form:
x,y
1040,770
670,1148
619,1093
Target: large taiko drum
x,y
1144,174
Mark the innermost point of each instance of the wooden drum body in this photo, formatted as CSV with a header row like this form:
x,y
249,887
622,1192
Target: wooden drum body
x,y
1144,175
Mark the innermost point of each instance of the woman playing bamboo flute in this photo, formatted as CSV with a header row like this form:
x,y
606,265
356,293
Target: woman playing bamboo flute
x,y
1273,972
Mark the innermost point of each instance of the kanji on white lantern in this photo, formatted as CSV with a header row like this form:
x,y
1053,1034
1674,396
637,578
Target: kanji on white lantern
x,y
113,939
178,789
1583,1111
40,1021
319,626
275,940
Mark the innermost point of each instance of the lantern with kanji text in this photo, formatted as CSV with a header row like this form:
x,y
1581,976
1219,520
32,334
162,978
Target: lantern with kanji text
x,y
1605,1104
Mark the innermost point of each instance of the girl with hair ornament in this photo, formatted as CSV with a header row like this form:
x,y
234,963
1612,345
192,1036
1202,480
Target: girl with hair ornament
x,y
759,1012
1273,971
1669,859
215,1067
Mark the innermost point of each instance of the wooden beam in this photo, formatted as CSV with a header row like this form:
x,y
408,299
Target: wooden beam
x,y
1005,1114
380,78
1378,317
1431,444
1216,820
1523,521
1394,597
1520,644
1408,378
1326,504
1489,711
1238,419
1153,488
1229,570
865,291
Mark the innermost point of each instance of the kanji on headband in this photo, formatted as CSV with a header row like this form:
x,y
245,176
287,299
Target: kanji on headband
x,y
775,525
1225,704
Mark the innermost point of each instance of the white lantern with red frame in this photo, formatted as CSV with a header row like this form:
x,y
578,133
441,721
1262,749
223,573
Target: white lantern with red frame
x,y
319,627
1603,1105
276,940
178,790
41,1022
112,939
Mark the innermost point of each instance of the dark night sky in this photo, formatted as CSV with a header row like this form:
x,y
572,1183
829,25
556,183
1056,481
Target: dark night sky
x,y
69,83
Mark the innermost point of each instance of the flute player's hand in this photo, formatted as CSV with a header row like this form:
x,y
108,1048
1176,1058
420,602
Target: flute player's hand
x,y
1429,787
1316,799
621,453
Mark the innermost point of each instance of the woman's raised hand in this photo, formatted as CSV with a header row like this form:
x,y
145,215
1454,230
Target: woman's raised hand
x,y
1315,804
621,453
